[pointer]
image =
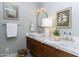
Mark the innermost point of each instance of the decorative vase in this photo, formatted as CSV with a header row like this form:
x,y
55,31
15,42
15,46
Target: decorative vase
x,y
57,38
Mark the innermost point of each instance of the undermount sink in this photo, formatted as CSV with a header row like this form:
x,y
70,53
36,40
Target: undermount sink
x,y
49,40
35,35
69,45
64,43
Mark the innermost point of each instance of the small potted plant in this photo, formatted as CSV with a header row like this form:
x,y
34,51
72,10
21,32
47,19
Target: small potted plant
x,y
56,34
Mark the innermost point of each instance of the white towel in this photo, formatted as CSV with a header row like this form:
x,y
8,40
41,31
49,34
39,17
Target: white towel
x,y
11,30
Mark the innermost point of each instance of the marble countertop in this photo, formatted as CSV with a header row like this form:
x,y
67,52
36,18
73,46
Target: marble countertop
x,y
65,45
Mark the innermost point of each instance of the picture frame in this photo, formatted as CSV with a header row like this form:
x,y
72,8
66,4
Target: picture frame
x,y
64,18
10,11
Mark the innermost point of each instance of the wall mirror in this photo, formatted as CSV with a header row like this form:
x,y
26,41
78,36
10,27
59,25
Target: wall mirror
x,y
41,13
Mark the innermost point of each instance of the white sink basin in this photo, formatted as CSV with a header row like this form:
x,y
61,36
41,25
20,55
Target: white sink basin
x,y
69,44
49,40
35,34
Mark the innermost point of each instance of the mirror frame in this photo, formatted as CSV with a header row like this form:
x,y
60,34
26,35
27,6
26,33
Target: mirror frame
x,y
40,13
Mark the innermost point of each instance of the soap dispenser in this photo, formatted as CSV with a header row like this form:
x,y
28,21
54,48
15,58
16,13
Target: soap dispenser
x,y
64,36
70,36
32,28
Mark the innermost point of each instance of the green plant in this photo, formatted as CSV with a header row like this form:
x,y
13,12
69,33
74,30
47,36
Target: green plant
x,y
56,33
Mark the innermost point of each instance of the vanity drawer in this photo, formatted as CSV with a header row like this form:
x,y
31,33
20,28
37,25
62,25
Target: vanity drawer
x,y
35,47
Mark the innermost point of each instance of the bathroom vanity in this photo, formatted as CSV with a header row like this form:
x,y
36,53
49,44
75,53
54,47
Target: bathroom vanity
x,y
47,47
43,50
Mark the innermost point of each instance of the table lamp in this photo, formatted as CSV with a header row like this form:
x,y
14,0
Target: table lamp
x,y
47,23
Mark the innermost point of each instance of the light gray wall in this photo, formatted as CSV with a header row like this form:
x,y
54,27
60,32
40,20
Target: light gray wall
x,y
26,16
53,7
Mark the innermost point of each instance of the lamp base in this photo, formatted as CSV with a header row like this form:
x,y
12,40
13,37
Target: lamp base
x,y
47,32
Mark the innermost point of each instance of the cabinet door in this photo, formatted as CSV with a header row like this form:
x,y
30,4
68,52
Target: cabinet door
x,y
34,46
28,43
49,51
43,50
37,48
61,53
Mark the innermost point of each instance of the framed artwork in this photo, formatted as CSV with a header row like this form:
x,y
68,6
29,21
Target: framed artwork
x,y
10,11
63,19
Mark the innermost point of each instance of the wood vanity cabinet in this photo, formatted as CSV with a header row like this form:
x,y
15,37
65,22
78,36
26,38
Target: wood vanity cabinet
x,y
42,50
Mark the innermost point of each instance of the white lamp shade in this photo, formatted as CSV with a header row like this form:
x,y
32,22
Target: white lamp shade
x,y
47,22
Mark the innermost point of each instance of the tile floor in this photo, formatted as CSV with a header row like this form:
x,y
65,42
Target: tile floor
x,y
15,54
